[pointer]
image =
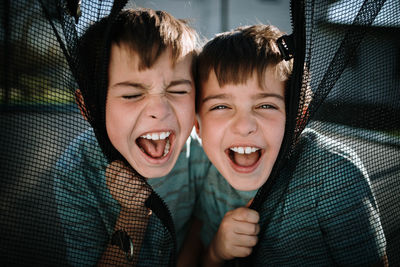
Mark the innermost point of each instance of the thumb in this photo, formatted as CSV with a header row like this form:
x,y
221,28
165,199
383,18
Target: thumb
x,y
249,203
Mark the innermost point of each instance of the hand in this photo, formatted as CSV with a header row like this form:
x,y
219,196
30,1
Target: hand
x,y
131,191
236,236
126,187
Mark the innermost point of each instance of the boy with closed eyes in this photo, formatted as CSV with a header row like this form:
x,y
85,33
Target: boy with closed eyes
x,y
142,120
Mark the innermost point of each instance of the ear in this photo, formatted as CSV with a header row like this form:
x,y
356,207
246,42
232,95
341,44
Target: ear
x,y
81,103
197,125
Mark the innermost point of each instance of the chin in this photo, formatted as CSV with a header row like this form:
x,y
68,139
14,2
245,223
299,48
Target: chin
x,y
245,185
151,175
153,172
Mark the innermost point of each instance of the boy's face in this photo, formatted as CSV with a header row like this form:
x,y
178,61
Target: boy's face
x,y
149,113
242,127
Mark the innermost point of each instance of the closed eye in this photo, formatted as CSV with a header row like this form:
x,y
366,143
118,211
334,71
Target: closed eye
x,y
179,87
132,96
182,92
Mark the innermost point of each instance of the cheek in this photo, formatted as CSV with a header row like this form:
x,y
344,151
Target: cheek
x,y
278,131
119,121
185,112
112,122
281,129
211,134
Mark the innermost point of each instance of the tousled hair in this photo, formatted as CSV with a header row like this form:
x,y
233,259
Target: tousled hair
x,y
149,33
236,55
146,32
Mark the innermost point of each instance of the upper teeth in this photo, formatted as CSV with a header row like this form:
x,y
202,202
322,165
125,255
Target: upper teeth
x,y
156,136
244,150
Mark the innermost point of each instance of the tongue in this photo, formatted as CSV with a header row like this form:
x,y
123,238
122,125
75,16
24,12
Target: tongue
x,y
152,148
245,160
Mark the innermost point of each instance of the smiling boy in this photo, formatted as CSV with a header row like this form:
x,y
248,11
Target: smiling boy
x,y
241,122
142,126
325,214
157,107
242,127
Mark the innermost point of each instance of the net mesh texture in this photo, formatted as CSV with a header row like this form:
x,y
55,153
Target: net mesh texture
x,y
335,181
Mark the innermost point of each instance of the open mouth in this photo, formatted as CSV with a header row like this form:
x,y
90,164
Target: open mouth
x,y
244,157
156,145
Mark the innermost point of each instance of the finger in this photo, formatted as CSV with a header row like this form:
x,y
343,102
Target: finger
x,y
247,241
246,228
132,186
249,203
111,172
245,215
231,251
127,177
134,183
241,252
123,181
122,175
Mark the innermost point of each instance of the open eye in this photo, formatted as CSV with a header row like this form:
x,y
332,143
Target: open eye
x,y
219,107
266,106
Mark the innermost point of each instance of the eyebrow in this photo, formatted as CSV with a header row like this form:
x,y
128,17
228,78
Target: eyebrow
x,y
210,97
257,96
178,82
131,84
145,87
266,95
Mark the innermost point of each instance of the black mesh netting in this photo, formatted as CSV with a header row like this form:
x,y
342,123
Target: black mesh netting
x,y
345,85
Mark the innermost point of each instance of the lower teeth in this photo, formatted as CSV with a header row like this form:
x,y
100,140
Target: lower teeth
x,y
166,149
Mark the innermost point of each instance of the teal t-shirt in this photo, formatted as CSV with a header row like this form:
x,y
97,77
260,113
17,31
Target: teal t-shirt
x,y
217,198
87,210
320,212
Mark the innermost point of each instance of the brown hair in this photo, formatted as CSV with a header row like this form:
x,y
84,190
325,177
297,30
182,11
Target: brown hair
x,y
149,33
145,31
235,55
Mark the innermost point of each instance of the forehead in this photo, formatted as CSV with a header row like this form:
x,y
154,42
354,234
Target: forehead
x,y
125,55
269,83
124,70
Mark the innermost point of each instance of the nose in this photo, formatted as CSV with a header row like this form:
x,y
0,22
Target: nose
x,y
244,124
158,107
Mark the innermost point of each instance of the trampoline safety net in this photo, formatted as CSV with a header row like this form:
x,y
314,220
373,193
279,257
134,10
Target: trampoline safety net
x,y
335,183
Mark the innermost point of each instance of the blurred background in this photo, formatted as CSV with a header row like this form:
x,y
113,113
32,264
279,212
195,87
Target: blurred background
x,y
208,17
